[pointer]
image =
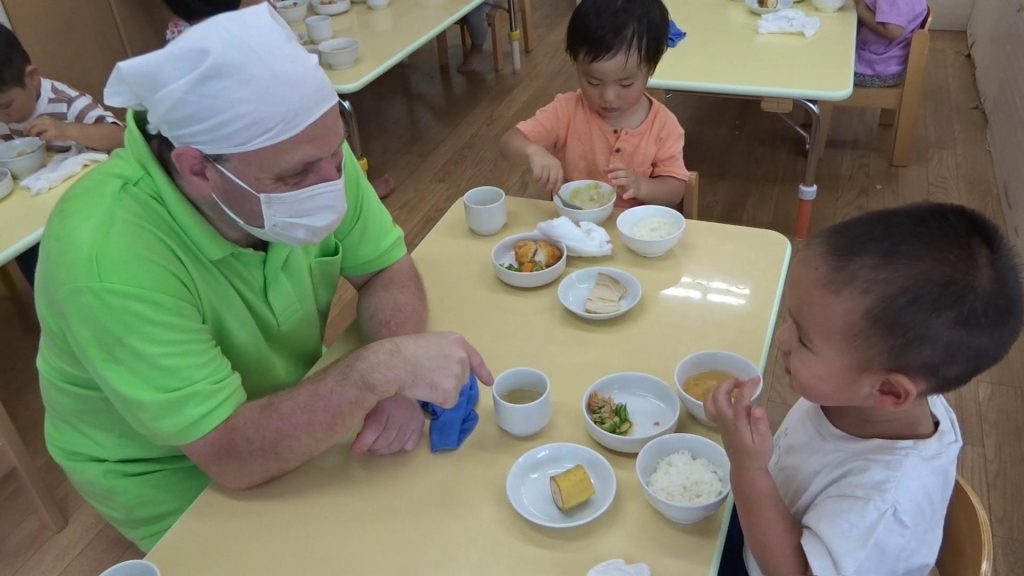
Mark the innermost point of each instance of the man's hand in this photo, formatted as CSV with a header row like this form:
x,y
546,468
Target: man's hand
x,y
746,435
622,176
546,169
49,129
431,367
394,424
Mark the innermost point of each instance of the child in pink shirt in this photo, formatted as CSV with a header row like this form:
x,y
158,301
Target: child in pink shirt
x,y
610,129
883,39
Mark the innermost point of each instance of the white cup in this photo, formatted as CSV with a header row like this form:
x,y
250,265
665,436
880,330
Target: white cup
x,y
486,210
132,568
319,28
522,419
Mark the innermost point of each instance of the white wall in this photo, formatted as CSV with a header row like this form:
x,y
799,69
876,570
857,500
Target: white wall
x,y
3,16
951,14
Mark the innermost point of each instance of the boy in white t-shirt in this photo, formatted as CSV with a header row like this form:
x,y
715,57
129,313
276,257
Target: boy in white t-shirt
x,y
887,311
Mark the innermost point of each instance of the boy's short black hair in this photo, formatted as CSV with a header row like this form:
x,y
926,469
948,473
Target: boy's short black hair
x,y
193,11
600,29
14,60
941,287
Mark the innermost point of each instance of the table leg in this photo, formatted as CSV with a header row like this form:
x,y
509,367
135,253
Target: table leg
x,y
348,114
808,190
514,35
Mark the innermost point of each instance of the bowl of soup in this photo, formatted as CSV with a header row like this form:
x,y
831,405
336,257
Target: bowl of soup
x,y
595,199
700,373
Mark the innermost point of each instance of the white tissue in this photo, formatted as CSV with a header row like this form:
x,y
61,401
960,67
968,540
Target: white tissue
x,y
618,567
790,21
60,168
585,239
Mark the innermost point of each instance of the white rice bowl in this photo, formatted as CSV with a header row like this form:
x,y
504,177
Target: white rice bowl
x,y
681,478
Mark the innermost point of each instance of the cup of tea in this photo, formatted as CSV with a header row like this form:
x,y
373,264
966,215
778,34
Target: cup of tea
x,y
319,28
522,401
132,568
486,210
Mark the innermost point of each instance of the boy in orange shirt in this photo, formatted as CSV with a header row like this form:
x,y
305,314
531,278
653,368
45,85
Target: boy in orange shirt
x,y
610,129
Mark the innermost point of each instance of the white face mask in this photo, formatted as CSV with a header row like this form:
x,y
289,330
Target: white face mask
x,y
301,217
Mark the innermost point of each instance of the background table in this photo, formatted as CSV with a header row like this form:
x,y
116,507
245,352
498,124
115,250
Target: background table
x,y
724,55
423,513
23,217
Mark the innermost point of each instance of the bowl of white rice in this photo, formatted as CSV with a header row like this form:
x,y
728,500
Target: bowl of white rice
x,y
651,230
684,476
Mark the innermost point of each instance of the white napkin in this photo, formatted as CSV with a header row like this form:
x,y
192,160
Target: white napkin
x,y
585,239
789,21
60,168
618,567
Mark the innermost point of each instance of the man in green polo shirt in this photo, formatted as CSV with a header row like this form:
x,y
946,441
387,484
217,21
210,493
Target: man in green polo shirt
x,y
185,284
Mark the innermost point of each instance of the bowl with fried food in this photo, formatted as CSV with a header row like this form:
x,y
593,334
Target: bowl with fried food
x,y
528,260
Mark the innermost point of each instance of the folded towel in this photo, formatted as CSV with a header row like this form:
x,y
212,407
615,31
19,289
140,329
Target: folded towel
x,y
60,168
790,21
675,35
618,567
449,427
584,239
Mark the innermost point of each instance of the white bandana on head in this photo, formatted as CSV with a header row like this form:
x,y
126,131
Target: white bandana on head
x,y
236,82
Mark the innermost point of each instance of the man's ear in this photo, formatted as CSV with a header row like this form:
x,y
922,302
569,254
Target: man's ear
x,y
896,391
193,168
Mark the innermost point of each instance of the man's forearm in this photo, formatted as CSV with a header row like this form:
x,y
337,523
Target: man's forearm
x,y
392,303
769,528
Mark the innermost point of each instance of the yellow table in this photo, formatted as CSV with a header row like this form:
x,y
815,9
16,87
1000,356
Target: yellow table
x,y
723,54
422,513
23,217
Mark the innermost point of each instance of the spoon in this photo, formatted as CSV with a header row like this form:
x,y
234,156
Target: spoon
x,y
567,203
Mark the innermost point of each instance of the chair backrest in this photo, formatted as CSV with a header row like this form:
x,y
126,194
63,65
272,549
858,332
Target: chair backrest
x,y
967,537
690,204
919,44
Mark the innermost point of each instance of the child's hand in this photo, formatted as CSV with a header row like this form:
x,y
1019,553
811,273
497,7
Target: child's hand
x,y
547,170
745,431
622,176
49,129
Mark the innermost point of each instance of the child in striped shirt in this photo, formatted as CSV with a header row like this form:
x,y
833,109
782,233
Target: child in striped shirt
x,y
31,105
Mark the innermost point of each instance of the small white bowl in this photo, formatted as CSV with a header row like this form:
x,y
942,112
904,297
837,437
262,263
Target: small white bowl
x,y
576,287
378,4
595,215
292,11
23,156
332,9
828,5
653,408
339,53
783,4
504,253
699,447
712,360
529,491
6,182
650,248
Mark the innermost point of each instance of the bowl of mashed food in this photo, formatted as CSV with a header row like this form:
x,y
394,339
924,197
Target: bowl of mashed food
x,y
651,230
595,199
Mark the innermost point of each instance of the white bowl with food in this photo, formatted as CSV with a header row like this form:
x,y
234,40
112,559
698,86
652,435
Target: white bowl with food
x,y
651,230
528,260
292,11
6,182
698,374
23,156
685,477
626,410
560,485
599,293
331,7
828,5
339,53
768,6
596,200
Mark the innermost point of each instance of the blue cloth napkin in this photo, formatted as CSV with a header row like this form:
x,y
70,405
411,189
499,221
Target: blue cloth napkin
x,y
449,427
675,35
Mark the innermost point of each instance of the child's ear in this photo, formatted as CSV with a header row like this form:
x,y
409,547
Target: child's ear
x,y
32,76
896,391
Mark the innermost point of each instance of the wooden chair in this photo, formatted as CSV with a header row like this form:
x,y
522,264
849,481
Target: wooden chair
x,y
497,22
900,105
41,497
967,537
690,204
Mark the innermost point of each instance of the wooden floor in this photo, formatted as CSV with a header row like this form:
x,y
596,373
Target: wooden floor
x,y
436,132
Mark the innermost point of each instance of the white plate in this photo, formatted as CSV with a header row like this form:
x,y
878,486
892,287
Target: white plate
x,y
529,484
783,4
576,287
